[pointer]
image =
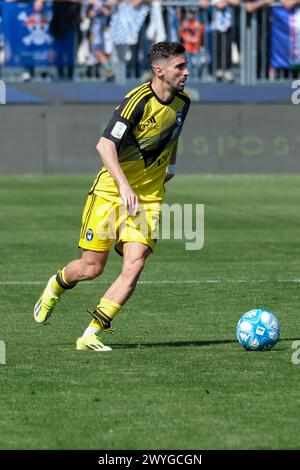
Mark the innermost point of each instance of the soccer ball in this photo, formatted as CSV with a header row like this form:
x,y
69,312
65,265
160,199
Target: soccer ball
x,y
258,329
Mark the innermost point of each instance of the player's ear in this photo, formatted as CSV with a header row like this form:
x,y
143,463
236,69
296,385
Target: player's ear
x,y
158,70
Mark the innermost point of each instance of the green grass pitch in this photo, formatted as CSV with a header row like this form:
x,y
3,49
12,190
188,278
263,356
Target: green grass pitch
x,y
176,378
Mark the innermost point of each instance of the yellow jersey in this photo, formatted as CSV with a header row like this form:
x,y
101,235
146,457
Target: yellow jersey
x,y
145,131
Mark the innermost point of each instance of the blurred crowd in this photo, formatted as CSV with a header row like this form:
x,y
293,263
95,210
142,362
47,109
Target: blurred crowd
x,y
113,32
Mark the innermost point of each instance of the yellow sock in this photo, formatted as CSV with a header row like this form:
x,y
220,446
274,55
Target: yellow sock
x,y
109,308
60,285
95,325
57,288
106,310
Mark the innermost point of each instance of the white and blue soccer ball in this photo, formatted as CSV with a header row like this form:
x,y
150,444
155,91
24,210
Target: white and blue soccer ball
x,y
258,329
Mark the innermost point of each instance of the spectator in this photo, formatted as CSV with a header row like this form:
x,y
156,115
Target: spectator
x,y
289,4
29,72
254,5
192,40
263,34
125,26
138,64
99,12
222,27
66,16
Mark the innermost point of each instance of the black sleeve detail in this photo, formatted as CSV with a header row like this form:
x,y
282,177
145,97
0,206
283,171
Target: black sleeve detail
x,y
118,127
114,131
138,111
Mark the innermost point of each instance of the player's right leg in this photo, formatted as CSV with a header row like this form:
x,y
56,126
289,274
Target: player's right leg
x,y
134,256
50,296
89,266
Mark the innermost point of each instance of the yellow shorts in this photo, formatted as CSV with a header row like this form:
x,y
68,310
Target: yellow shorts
x,y
106,222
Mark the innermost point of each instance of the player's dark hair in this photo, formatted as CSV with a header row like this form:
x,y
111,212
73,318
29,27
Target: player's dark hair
x,y
164,50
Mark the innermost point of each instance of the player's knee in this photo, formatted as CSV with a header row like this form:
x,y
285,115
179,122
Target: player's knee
x,y
91,271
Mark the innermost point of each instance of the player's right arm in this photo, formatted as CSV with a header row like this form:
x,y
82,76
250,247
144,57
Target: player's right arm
x,y
108,154
125,117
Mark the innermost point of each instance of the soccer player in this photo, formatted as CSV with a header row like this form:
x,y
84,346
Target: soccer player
x,y
138,149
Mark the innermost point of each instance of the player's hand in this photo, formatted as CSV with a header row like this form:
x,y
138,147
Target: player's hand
x,y
130,199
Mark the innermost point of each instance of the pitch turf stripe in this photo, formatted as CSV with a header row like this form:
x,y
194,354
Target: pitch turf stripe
x,y
183,281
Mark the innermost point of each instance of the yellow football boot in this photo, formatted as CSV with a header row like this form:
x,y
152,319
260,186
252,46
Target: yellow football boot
x,y
84,343
46,303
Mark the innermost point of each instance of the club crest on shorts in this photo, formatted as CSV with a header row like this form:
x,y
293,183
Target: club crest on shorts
x,y
179,118
89,235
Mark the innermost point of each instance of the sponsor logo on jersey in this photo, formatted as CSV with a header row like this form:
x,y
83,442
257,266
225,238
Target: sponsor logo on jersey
x,y
148,125
119,130
89,235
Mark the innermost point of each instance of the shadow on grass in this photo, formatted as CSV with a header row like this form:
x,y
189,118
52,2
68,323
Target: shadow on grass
x,y
198,344
280,347
177,344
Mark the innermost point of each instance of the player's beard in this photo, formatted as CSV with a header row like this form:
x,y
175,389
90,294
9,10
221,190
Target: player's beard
x,y
176,86
181,85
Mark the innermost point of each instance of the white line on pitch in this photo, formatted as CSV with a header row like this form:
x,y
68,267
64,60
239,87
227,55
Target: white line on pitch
x,y
170,281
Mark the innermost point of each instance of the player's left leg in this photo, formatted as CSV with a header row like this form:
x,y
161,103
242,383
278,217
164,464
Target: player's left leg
x,y
134,257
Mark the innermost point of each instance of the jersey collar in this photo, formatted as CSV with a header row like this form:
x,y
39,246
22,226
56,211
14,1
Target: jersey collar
x,y
157,97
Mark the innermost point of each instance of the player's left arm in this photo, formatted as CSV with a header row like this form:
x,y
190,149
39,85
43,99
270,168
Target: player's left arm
x,y
171,168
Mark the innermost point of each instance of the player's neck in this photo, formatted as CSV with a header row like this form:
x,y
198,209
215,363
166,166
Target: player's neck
x,y
162,91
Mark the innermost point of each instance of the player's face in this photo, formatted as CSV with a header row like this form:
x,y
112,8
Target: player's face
x,y
176,72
